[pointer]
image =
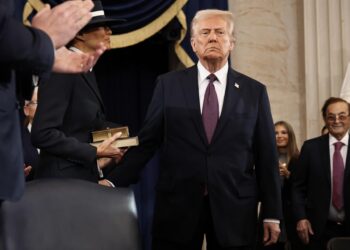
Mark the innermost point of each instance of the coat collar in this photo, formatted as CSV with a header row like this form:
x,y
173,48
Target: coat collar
x,y
189,85
347,164
190,89
90,79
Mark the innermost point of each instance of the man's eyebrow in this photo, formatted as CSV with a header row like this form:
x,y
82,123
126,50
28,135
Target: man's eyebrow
x,y
341,113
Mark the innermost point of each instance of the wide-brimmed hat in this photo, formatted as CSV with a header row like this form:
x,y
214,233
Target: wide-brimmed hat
x,y
99,18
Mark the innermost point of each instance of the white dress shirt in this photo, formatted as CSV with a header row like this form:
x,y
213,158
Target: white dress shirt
x,y
220,84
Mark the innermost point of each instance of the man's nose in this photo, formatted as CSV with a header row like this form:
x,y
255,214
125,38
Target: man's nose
x,y
212,36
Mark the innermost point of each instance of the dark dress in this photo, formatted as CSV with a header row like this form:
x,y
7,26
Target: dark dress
x,y
288,238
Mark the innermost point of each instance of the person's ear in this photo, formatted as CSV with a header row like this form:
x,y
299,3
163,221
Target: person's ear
x,y
193,44
232,43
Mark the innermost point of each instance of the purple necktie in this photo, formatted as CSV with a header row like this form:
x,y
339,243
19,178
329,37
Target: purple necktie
x,y
338,176
210,113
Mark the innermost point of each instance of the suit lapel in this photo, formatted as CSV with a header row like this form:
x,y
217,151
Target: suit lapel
x,y
189,85
90,79
347,164
325,158
230,99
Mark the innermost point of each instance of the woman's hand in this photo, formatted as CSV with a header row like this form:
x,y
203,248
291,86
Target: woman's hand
x,y
284,170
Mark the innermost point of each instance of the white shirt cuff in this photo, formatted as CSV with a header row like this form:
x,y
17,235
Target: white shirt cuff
x,y
100,173
111,183
272,221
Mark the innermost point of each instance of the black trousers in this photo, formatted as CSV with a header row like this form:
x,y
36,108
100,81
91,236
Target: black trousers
x,y
205,226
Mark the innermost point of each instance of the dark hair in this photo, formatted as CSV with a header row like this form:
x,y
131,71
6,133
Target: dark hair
x,y
292,148
329,101
324,130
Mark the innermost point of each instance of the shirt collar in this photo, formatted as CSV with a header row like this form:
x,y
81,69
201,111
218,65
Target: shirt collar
x,y
344,140
221,74
29,127
75,49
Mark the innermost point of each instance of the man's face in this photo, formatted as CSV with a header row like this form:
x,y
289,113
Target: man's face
x,y
337,119
211,40
94,36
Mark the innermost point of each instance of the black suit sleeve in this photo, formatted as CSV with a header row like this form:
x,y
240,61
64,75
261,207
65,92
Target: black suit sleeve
x,y
23,47
150,137
267,170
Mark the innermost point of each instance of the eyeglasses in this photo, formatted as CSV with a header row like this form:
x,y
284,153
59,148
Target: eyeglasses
x,y
333,118
32,103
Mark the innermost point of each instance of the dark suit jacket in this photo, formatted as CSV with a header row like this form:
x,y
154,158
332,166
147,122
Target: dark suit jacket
x,y
70,108
239,167
20,47
311,189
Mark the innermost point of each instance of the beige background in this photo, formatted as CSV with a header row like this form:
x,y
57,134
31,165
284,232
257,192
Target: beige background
x,y
299,49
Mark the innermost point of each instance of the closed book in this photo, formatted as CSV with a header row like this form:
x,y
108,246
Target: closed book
x,y
101,135
122,142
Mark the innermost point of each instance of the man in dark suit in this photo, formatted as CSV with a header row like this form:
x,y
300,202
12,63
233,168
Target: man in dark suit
x,y
218,151
321,180
38,50
70,108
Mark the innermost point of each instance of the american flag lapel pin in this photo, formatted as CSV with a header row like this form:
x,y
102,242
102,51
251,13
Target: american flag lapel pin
x,y
237,85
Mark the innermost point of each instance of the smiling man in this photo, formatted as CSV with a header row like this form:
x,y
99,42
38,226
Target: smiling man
x,y
215,133
321,188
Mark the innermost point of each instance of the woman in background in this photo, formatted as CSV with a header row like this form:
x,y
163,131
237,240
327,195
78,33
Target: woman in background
x,y
287,148
288,154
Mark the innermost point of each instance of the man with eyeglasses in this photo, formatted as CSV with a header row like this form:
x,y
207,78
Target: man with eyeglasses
x,y
321,181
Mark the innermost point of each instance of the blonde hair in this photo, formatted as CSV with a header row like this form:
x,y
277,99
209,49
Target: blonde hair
x,y
204,14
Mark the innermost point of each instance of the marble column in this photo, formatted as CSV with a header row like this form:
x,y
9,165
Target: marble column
x,y
327,49
299,49
269,48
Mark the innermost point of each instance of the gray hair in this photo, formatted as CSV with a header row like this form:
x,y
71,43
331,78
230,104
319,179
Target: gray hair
x,y
204,14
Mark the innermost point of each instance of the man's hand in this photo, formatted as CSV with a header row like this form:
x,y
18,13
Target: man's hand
x,y
271,233
304,229
27,170
67,61
104,182
64,21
